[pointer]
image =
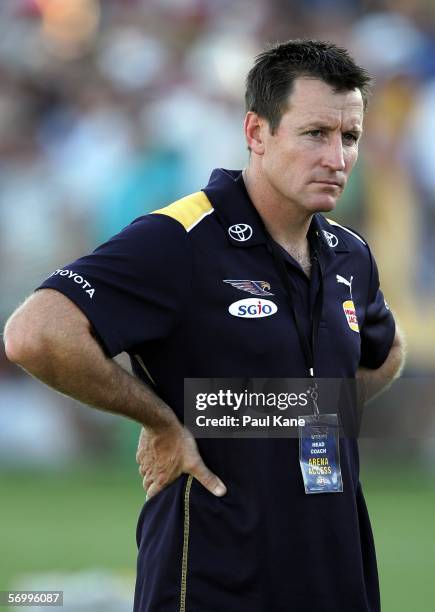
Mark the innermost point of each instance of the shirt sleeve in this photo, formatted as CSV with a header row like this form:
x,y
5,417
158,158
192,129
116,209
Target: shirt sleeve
x,y
378,330
132,288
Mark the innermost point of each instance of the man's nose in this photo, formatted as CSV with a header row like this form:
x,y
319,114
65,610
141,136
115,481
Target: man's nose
x,y
333,155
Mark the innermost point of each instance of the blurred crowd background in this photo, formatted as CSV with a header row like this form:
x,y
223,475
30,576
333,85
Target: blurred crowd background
x,y
110,109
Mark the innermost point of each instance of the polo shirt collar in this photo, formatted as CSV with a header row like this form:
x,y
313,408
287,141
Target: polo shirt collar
x,y
227,193
332,241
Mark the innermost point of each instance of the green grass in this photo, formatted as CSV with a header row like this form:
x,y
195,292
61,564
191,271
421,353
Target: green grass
x,y
401,504
68,521
87,518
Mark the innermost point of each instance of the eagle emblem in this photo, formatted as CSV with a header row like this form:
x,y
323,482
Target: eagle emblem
x,y
251,286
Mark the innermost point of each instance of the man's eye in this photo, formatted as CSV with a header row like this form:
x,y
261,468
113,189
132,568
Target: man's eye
x,y
315,133
350,138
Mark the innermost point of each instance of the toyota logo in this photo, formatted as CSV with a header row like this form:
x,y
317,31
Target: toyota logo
x,y
331,239
240,232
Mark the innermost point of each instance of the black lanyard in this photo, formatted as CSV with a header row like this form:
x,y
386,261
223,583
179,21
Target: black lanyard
x,y
307,344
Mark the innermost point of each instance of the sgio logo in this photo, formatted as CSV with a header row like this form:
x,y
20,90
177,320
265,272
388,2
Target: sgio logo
x,y
252,308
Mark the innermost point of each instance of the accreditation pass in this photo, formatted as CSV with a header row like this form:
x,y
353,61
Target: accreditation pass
x,y
319,454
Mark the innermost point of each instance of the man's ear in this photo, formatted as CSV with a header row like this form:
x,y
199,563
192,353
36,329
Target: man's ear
x,y
254,128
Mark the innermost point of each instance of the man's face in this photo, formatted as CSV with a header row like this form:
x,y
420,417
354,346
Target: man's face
x,y
309,158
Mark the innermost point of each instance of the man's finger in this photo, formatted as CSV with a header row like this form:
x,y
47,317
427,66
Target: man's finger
x,y
209,480
153,489
147,481
140,455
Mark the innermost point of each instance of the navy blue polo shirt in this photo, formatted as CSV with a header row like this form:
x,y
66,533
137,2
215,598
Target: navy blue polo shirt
x,y
156,290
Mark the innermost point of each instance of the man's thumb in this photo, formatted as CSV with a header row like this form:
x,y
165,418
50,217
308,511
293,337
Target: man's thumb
x,y
209,480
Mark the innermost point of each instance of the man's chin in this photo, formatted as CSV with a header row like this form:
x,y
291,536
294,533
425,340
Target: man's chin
x,y
324,204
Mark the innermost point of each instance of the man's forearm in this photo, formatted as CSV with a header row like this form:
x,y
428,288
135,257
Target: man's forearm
x,y
90,377
72,361
372,382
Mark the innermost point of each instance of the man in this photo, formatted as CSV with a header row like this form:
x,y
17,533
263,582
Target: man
x,y
228,524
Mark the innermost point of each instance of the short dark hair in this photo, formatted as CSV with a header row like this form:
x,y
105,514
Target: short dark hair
x,y
270,81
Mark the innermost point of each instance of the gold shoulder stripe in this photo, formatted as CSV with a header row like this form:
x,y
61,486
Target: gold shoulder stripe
x,y
188,211
346,229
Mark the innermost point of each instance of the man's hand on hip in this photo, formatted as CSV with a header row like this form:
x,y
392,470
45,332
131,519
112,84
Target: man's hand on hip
x,y
164,455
